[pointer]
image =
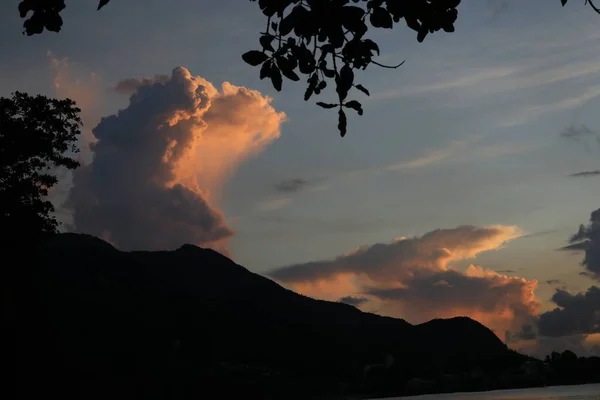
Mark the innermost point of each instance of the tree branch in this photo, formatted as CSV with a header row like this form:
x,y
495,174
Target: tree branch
x,y
388,66
591,3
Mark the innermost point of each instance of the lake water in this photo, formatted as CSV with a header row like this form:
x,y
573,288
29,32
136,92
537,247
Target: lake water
x,y
582,392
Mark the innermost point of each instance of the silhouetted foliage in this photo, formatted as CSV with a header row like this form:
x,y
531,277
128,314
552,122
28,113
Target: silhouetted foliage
x,y
567,368
35,134
325,40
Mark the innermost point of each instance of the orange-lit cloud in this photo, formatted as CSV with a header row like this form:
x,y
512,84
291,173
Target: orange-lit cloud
x,y
414,279
160,163
85,89
69,81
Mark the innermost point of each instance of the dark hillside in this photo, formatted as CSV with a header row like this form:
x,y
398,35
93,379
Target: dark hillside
x,y
183,321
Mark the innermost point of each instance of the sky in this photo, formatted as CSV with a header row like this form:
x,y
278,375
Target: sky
x,y
471,168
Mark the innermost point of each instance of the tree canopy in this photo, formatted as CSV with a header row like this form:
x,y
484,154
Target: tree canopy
x,y
36,134
325,40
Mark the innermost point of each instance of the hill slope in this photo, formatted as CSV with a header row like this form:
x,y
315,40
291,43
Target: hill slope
x,y
189,318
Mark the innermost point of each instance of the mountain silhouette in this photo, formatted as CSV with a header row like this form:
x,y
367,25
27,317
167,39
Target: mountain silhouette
x,y
167,324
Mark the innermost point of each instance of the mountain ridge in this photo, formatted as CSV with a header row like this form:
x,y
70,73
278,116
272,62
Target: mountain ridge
x,y
140,313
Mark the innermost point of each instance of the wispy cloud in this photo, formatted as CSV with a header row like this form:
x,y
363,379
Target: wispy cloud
x,y
431,157
478,82
291,185
536,234
474,77
533,112
577,132
273,204
586,174
458,151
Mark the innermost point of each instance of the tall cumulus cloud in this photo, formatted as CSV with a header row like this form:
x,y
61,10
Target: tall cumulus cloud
x,y
575,314
587,239
413,278
578,314
159,164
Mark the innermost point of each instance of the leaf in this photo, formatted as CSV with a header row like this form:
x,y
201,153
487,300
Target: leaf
x,y
412,23
287,24
352,13
306,61
102,4
276,78
355,105
326,105
345,81
54,22
352,20
307,66
327,48
371,45
363,89
563,2
347,75
291,75
265,70
448,27
329,73
304,27
265,42
421,35
24,8
312,85
34,25
380,18
308,93
255,57
342,123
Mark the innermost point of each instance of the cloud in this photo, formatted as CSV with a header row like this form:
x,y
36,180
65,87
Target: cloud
x,y
131,85
458,151
498,7
527,333
353,301
586,174
413,279
273,204
432,157
160,164
530,113
84,88
554,282
537,234
577,132
291,185
69,81
587,239
576,314
399,258
477,82
473,78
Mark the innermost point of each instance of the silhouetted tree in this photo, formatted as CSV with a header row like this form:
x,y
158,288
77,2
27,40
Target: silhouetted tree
x,y
36,133
322,39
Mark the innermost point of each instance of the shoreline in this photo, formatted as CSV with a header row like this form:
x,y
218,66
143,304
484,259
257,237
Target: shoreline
x,y
468,393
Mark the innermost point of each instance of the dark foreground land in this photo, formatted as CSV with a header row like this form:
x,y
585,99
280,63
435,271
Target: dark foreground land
x,y
85,320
